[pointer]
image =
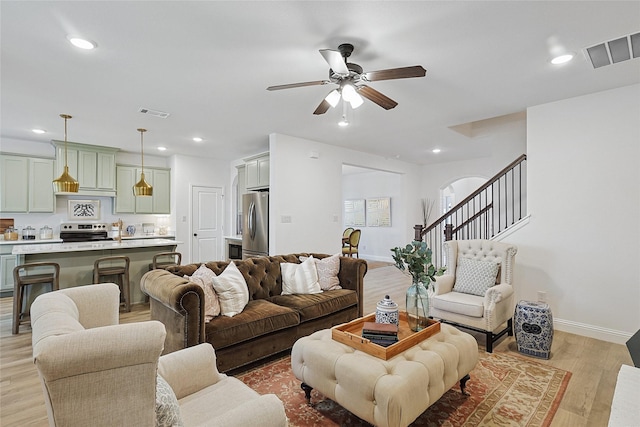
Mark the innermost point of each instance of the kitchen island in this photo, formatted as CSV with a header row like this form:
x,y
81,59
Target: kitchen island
x,y
76,259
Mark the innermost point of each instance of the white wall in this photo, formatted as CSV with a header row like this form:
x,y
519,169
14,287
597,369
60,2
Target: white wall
x,y
187,172
375,242
582,245
505,140
309,191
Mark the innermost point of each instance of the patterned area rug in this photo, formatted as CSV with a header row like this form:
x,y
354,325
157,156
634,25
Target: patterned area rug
x,y
505,390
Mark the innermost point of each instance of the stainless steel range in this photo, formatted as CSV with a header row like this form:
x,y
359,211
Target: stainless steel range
x,y
83,232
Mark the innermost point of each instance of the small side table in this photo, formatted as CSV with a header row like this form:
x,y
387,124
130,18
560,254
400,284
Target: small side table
x,y
533,325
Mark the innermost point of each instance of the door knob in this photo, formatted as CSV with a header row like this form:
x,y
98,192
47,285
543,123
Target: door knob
x,y
195,234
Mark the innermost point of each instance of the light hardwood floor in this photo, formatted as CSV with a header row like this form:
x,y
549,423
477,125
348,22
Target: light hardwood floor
x,y
594,364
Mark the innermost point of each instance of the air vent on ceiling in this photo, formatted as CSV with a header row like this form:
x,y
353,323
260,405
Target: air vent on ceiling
x,y
155,113
614,51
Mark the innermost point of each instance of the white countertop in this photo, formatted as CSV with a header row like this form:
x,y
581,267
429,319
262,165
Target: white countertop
x,y
237,237
43,248
29,242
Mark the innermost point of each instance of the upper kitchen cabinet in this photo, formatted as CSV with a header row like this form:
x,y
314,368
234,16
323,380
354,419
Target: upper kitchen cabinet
x,y
126,202
26,184
257,172
93,166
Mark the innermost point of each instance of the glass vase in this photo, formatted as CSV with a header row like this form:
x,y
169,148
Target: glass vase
x,y
417,306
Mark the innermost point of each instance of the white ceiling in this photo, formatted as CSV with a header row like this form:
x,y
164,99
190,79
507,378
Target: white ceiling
x,y
208,64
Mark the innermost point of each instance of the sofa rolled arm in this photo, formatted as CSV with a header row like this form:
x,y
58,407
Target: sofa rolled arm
x,y
268,409
351,276
179,304
190,370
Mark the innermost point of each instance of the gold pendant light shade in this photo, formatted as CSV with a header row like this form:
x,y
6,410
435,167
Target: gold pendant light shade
x,y
142,187
65,183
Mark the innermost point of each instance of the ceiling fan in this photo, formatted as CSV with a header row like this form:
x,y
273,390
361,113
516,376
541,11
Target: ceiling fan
x,y
352,80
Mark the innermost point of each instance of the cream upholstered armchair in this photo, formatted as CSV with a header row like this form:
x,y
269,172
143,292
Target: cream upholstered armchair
x,y
476,292
95,372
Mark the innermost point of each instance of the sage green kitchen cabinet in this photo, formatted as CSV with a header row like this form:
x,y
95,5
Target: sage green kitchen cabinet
x,y
126,202
7,264
93,166
41,176
161,191
257,172
15,184
26,184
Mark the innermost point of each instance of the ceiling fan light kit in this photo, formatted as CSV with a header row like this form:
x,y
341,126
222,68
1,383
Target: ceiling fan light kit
x,y
352,80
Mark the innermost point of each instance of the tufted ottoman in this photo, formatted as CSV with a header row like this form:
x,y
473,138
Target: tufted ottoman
x,y
385,393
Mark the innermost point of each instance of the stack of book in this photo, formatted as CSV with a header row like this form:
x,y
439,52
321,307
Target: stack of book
x,y
383,334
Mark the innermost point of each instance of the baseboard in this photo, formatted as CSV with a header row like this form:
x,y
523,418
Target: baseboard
x,y
604,334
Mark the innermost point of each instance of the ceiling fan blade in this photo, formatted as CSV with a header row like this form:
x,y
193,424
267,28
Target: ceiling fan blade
x,y
292,85
395,73
335,61
375,96
322,108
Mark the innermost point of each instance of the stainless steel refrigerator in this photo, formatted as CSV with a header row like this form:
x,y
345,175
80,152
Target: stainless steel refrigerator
x,y
255,221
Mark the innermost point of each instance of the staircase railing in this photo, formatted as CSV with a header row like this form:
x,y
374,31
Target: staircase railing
x,y
492,208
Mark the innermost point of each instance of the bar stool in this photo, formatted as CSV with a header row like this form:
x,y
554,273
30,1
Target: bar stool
x,y
120,271
21,281
176,259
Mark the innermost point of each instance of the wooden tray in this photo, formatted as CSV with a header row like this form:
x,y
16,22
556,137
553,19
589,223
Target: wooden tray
x,y
351,335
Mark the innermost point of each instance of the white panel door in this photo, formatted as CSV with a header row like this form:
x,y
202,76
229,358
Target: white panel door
x,y
206,224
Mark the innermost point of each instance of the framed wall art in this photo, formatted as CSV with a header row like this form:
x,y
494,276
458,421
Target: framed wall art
x,y
84,209
379,212
354,213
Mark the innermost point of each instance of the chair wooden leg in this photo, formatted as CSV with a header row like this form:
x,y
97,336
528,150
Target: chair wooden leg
x,y
127,293
489,342
510,326
17,308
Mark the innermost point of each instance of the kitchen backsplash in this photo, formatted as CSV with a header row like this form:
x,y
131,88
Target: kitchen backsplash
x,y
53,220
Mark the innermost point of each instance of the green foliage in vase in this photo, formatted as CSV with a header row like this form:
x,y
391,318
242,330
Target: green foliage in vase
x,y
415,259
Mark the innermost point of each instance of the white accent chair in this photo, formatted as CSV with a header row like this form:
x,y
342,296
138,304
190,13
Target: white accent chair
x,y
487,313
95,372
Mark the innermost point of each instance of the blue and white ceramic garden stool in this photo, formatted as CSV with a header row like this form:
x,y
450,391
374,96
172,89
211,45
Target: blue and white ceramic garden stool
x,y
533,326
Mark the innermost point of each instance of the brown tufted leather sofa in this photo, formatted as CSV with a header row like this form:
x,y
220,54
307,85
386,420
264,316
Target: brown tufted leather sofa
x,y
269,324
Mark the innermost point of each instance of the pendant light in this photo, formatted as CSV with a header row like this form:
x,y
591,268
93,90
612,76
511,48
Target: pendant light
x,y
65,183
142,187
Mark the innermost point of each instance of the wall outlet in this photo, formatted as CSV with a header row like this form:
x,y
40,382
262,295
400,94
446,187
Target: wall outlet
x,y
542,296
364,247
285,219
184,219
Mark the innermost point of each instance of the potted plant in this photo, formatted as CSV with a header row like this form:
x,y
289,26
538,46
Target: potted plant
x,y
415,260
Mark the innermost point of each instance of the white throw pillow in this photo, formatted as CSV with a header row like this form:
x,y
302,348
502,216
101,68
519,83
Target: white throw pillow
x,y
203,276
232,290
300,278
475,277
328,269
167,407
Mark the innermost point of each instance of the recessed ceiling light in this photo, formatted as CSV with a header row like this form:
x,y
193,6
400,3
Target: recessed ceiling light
x,y
436,150
38,131
197,139
162,148
82,43
343,123
562,59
